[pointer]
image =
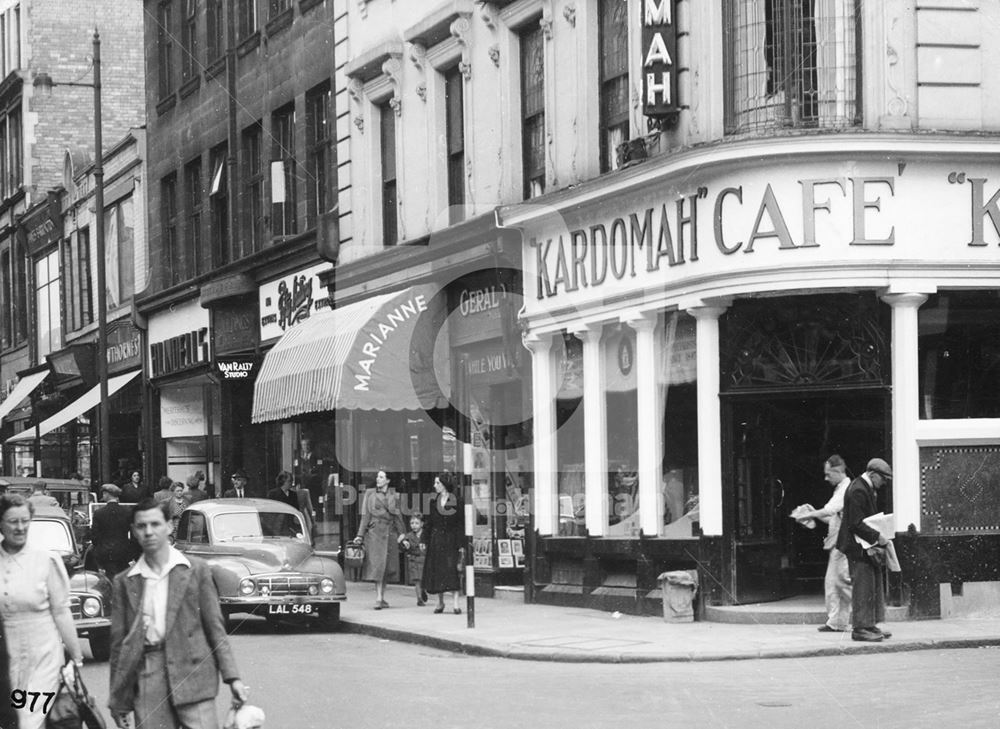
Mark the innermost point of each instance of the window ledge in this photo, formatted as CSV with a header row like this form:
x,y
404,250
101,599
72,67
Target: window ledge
x,y
248,44
216,67
189,86
166,104
305,5
279,22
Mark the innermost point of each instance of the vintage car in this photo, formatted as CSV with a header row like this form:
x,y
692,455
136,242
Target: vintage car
x,y
75,498
90,592
263,560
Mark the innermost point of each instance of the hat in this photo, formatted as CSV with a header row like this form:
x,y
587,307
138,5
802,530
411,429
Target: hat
x,y
877,465
239,473
110,488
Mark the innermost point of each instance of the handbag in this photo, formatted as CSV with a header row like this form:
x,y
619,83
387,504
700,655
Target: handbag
x,y
354,555
74,707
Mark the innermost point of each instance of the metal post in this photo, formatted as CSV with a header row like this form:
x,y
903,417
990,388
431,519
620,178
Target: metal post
x,y
463,435
103,407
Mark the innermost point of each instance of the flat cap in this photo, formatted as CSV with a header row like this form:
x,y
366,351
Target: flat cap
x,y
877,465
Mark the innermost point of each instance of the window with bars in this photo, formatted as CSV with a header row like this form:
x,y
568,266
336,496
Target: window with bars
x,y
218,197
387,141
791,63
283,171
165,50
215,30
174,267
455,136
193,196
614,95
253,189
532,53
246,18
189,40
318,139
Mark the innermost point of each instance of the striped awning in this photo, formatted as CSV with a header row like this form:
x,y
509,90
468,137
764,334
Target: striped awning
x,y
376,354
24,387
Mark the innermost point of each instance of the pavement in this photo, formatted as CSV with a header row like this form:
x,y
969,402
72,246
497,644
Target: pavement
x,y
509,628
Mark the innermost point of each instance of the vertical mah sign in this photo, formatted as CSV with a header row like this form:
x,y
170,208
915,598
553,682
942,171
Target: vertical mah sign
x,y
659,49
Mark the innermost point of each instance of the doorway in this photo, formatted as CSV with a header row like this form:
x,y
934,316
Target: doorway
x,y
777,443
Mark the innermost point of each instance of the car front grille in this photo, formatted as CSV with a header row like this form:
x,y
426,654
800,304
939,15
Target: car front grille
x,y
74,607
291,584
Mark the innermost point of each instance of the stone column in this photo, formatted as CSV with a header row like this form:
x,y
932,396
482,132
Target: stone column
x,y
595,430
544,385
905,459
650,420
709,419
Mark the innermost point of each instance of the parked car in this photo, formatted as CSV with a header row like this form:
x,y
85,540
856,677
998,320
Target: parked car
x,y
90,591
73,496
263,560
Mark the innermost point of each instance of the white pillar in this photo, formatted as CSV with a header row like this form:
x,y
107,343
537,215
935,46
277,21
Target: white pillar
x,y
595,430
905,408
650,422
543,384
709,419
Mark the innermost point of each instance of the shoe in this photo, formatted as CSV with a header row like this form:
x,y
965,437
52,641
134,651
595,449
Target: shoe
x,y
827,629
421,603
867,636
383,603
885,633
439,609
457,611
378,606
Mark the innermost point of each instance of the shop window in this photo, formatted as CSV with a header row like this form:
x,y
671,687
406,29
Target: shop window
x,y
791,63
614,101
165,50
119,249
387,127
218,196
455,139
283,172
253,189
193,195
621,407
677,390
570,441
168,209
215,30
189,40
532,51
47,304
959,349
318,141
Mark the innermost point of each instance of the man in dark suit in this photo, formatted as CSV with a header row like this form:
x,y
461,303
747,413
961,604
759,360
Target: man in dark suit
x,y
867,565
284,491
239,489
109,533
168,636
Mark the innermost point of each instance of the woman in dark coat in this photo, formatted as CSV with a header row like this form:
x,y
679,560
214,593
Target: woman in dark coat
x,y
444,538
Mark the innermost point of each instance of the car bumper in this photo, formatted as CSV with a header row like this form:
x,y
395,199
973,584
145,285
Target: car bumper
x,y
85,625
254,600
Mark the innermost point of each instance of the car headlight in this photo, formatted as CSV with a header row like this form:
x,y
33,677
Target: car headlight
x,y
247,586
91,607
313,590
326,586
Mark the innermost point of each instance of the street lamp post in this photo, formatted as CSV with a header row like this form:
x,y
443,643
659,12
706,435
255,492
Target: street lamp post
x,y
44,83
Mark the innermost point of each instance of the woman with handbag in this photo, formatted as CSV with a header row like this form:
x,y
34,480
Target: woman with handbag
x,y
37,621
381,530
444,538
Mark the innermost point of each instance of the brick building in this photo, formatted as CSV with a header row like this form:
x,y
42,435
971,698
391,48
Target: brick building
x,y
46,148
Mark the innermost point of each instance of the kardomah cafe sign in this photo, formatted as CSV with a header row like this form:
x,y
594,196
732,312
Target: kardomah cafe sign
x,y
784,217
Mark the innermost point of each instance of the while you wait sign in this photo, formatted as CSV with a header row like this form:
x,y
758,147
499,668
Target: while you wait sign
x,y
659,49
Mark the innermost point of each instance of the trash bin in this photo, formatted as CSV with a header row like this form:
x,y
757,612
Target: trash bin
x,y
678,588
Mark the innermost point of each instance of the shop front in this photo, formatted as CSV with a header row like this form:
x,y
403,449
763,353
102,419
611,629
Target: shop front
x,y
184,399
706,329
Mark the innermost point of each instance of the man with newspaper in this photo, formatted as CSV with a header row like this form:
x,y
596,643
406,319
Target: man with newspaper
x,y
867,565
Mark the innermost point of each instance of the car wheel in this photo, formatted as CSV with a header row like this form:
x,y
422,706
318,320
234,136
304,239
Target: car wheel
x,y
100,644
329,617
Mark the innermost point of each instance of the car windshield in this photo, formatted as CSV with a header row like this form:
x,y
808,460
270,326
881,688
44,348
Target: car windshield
x,y
257,525
51,535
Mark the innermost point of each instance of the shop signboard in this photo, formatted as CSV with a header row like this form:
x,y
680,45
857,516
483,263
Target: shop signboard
x,y
659,51
124,350
182,412
699,224
235,326
291,299
237,369
179,339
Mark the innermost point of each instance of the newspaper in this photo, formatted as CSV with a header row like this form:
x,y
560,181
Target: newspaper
x,y
804,509
885,525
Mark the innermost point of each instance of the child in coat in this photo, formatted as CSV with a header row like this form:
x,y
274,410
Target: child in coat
x,y
415,551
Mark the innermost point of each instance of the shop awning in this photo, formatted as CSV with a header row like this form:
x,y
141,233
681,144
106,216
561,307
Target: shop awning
x,y
87,401
24,387
376,354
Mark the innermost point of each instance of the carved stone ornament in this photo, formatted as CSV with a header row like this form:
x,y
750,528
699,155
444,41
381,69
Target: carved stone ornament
x,y
546,25
363,8
459,30
359,122
396,105
356,90
422,91
494,51
466,69
418,56
488,13
569,12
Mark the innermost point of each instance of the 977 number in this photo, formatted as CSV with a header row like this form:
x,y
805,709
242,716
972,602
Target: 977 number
x,y
19,699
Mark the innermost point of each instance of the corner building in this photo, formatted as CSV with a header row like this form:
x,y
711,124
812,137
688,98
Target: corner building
x,y
786,245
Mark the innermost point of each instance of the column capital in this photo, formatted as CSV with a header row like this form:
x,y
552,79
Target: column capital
x,y
589,332
643,322
905,300
537,343
706,312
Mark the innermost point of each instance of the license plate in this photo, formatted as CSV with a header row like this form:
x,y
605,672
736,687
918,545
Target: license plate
x,y
305,609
